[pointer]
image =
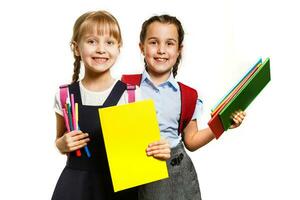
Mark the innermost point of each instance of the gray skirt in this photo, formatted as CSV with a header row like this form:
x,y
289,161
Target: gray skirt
x,y
182,183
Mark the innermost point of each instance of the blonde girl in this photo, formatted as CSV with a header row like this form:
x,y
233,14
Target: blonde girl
x,y
95,43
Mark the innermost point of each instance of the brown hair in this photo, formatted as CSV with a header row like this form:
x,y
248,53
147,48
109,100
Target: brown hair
x,y
103,22
164,19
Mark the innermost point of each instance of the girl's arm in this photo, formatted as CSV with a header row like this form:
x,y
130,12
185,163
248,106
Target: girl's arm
x,y
68,141
195,139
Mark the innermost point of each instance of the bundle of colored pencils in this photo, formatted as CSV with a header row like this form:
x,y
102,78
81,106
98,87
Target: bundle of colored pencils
x,y
70,113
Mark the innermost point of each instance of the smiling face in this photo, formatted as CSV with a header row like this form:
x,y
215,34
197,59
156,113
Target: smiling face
x,y
96,42
98,52
160,48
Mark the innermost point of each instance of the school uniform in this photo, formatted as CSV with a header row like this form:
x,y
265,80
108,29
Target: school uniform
x,y
182,183
86,178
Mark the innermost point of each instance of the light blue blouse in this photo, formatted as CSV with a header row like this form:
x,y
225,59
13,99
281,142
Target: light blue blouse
x,y
166,97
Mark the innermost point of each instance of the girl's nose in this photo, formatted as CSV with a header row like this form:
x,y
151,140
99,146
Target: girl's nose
x,y
100,48
161,49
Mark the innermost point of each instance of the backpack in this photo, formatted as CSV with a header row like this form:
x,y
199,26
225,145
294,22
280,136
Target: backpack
x,y
188,95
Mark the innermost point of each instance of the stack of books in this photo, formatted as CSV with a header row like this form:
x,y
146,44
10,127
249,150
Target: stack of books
x,y
240,96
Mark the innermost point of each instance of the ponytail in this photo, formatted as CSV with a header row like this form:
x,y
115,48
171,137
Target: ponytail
x,y
175,67
76,70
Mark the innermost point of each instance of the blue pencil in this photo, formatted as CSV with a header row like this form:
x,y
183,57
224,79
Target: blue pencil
x,y
87,151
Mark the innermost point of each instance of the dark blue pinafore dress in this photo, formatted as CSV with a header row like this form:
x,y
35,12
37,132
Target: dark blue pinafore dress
x,y
86,178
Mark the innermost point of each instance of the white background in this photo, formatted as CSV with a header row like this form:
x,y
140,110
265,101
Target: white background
x,y
259,160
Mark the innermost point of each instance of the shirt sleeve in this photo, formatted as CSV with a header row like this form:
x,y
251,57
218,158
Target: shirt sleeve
x,y
198,110
57,104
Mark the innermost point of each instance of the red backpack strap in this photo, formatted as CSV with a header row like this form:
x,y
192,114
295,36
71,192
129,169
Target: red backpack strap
x,y
63,93
189,98
132,79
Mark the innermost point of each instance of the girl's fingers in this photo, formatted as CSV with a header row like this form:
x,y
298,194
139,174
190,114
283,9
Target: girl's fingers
x,y
161,142
74,140
161,152
158,147
78,147
78,143
244,113
162,156
75,136
73,133
158,151
237,118
236,124
80,136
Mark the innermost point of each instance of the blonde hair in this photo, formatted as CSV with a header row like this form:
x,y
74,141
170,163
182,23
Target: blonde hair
x,y
100,21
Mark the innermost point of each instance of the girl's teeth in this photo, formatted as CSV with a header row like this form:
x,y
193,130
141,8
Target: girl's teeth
x,y
100,59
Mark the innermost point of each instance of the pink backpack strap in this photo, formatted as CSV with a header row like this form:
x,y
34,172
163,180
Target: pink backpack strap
x,y
131,93
63,93
132,80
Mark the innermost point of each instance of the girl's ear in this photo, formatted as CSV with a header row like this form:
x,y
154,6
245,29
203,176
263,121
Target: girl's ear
x,y
180,49
75,48
141,45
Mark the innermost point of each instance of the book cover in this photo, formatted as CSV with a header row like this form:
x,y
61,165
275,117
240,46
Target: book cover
x,y
247,93
127,131
240,96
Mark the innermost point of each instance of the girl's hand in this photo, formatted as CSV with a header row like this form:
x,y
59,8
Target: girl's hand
x,y
160,150
237,117
72,141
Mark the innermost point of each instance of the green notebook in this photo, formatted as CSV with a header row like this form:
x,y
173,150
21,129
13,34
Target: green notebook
x,y
246,94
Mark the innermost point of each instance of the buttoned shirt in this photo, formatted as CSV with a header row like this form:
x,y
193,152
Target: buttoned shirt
x,y
166,97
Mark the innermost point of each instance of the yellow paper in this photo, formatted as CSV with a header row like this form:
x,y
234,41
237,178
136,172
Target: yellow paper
x,y
127,131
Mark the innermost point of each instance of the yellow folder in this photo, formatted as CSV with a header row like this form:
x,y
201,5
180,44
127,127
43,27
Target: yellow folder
x,y
127,131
